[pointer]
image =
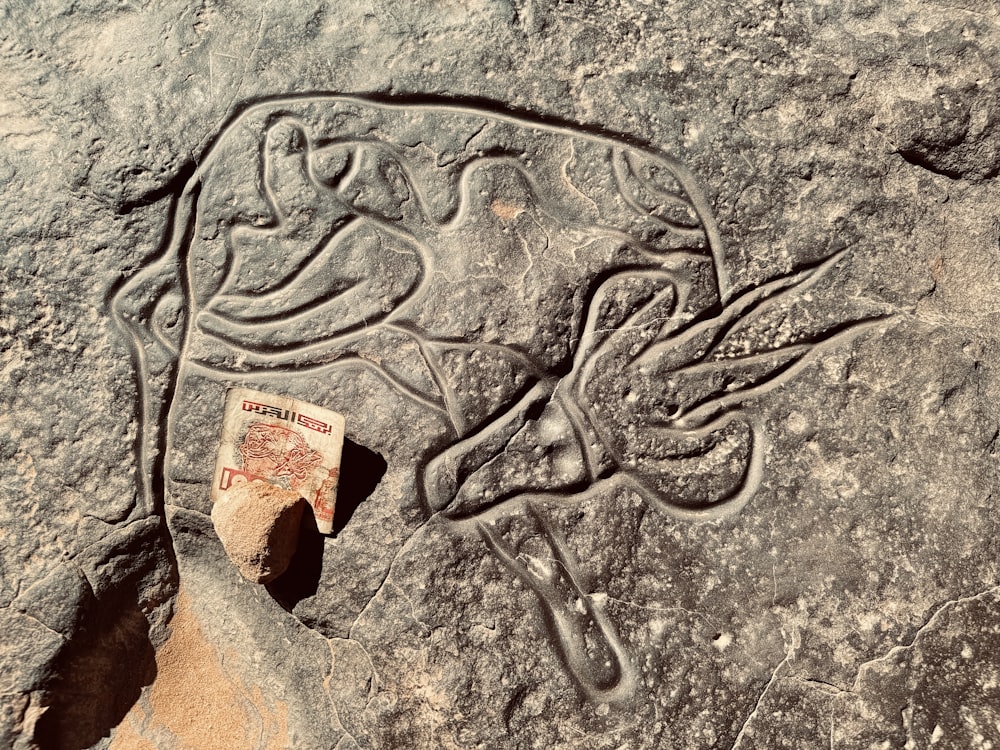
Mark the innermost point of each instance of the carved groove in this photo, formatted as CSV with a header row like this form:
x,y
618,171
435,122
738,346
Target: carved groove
x,y
656,311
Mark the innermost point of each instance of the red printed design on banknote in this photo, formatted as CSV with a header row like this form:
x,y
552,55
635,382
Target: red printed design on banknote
x,y
270,438
326,496
272,451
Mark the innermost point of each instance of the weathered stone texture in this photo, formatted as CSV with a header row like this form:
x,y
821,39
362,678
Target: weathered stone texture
x,y
665,335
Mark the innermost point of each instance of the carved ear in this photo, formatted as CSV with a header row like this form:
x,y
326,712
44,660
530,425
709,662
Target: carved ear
x,y
715,479
376,183
333,165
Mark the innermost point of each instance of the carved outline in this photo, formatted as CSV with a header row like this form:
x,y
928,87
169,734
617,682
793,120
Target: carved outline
x,y
170,261
170,265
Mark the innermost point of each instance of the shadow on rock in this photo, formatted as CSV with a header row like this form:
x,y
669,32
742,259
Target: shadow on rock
x,y
361,471
301,579
99,674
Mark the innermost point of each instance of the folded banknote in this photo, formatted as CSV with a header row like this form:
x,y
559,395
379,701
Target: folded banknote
x,y
286,442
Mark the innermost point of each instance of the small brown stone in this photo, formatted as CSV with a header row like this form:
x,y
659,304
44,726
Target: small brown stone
x,y
258,524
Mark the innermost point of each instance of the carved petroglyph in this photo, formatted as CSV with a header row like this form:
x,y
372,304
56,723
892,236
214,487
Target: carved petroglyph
x,y
558,299
584,636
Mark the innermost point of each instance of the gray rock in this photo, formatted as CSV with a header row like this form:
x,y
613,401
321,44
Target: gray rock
x,y
665,335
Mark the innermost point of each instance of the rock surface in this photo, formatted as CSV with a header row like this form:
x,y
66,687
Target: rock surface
x,y
258,525
666,334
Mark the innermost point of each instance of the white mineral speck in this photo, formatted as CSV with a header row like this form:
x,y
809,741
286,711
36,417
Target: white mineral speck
x,y
723,641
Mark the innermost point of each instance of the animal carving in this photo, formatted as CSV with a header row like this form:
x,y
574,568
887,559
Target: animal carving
x,y
558,298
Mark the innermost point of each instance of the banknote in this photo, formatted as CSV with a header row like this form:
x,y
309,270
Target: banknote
x,y
289,443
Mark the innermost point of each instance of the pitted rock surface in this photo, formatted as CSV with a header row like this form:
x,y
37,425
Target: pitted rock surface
x,y
666,334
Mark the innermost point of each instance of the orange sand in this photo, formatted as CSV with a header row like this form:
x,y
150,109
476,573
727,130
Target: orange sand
x,y
506,211
195,704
